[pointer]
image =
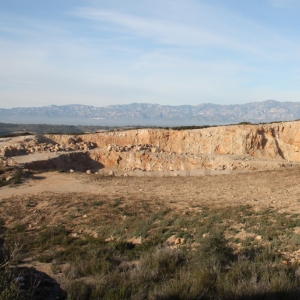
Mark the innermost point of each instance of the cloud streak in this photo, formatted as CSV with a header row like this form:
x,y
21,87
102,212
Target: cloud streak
x,y
238,35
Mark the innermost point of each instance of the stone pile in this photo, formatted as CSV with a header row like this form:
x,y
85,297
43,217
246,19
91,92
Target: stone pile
x,y
23,149
134,148
12,151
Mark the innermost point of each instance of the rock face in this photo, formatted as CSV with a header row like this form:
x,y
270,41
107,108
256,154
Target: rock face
x,y
235,147
226,147
271,141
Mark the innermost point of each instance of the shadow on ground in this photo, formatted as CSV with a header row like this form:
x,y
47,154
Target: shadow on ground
x,y
78,161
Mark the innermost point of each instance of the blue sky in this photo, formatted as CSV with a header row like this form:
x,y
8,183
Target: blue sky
x,y
160,51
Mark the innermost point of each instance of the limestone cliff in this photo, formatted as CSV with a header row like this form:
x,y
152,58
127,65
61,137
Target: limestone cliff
x,y
235,147
224,147
269,141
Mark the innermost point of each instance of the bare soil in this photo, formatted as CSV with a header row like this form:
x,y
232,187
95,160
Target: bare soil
x,y
278,189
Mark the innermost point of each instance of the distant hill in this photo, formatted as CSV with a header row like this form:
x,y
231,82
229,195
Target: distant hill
x,y
154,114
24,129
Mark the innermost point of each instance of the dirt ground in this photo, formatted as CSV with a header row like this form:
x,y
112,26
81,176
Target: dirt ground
x,y
278,189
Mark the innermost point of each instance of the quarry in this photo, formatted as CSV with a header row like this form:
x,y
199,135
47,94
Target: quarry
x,y
154,213
160,151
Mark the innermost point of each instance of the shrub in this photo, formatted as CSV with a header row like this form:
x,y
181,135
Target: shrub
x,y
159,265
78,290
8,290
213,251
17,177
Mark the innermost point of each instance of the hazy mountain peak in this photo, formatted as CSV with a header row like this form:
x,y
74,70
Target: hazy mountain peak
x,y
155,114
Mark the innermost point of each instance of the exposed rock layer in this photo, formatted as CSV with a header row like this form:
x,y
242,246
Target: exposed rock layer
x,y
271,141
233,147
236,147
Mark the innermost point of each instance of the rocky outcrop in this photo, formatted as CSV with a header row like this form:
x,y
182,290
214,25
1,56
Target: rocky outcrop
x,y
33,147
43,144
280,141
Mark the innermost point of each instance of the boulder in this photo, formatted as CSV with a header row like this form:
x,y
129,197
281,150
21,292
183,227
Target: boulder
x,y
171,240
179,241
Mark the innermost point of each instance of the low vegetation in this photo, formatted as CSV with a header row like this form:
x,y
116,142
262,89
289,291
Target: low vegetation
x,y
122,248
192,127
8,289
10,176
11,130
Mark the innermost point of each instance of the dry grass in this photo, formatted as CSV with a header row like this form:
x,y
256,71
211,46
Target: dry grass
x,y
235,239
89,241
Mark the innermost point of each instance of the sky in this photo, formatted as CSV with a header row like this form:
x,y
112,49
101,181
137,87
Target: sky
x,y
170,52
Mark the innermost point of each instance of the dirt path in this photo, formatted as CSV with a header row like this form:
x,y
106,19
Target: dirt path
x,y
48,182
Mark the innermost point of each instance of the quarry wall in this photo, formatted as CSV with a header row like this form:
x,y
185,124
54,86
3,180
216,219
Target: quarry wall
x,y
269,141
216,148
235,147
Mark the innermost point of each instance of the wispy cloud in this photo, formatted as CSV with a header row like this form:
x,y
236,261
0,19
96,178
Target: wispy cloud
x,y
229,31
166,52
162,31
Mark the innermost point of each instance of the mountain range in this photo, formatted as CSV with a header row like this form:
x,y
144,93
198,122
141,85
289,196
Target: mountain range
x,y
154,114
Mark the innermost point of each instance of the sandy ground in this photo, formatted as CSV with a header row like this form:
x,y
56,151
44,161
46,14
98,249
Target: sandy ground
x,y
273,189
